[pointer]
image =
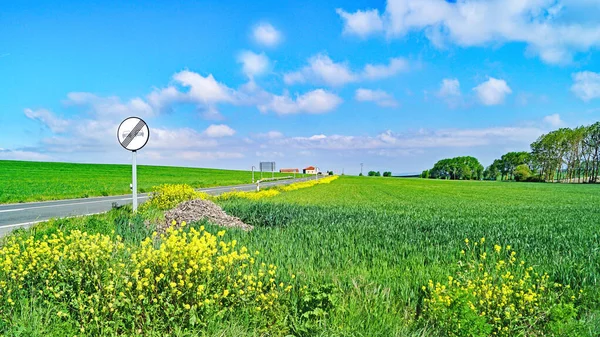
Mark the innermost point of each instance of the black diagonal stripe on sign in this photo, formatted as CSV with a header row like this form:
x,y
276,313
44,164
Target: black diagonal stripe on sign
x,y
133,133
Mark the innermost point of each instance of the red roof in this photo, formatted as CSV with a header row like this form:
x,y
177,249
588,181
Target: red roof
x,y
310,168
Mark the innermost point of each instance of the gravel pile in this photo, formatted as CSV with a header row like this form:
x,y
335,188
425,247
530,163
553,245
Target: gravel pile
x,y
196,210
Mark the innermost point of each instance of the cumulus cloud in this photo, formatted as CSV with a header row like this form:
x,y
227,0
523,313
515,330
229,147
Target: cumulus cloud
x,y
450,87
449,92
253,64
493,91
218,131
586,85
266,35
553,120
379,97
377,71
361,23
178,139
313,102
203,89
549,28
110,107
321,69
48,119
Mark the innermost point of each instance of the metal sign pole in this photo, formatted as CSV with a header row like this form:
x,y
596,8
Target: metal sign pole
x,y
253,174
133,134
134,180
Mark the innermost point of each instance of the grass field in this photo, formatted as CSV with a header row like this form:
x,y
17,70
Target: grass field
x,y
379,240
37,181
361,251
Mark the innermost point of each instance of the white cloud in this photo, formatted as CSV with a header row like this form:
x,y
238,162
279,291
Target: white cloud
x,y
203,90
161,99
553,120
265,34
449,87
178,139
218,131
377,71
552,29
493,91
47,118
24,155
110,107
380,97
586,85
450,92
422,139
361,23
314,102
253,64
212,114
269,154
322,70
270,135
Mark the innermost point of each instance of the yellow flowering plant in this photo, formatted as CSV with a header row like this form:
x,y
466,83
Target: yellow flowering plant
x,y
168,196
184,279
493,293
268,193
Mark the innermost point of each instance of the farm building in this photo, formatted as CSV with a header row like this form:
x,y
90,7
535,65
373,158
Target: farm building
x,y
289,170
309,170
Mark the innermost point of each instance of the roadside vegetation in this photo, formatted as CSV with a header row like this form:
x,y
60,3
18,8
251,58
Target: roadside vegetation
x,y
352,257
22,181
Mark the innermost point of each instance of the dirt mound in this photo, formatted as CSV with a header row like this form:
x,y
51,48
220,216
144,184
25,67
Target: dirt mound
x,y
196,210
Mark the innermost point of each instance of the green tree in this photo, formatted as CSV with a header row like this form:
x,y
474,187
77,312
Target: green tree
x,y
522,172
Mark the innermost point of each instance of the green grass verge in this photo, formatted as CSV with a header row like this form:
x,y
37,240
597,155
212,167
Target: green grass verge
x,y
22,181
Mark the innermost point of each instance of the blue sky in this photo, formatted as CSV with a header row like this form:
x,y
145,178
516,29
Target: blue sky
x,y
396,85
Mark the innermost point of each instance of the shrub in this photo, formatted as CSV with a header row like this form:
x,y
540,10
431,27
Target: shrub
x,y
494,293
522,173
183,280
168,196
387,174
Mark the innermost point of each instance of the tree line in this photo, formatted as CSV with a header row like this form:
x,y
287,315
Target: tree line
x,y
458,168
566,154
378,174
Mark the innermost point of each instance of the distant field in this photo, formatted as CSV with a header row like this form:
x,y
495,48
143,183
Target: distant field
x,y
37,181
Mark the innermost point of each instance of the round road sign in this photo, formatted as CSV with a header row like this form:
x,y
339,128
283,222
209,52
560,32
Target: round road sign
x,y
133,133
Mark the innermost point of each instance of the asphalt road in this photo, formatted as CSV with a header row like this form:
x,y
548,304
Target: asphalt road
x,y
26,214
